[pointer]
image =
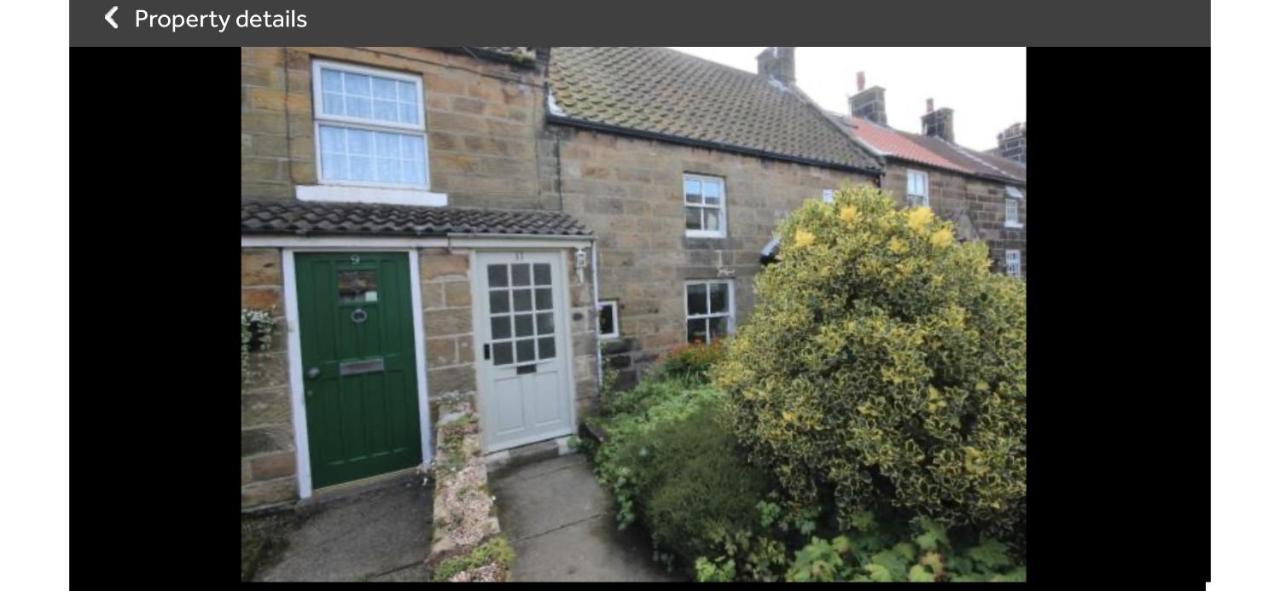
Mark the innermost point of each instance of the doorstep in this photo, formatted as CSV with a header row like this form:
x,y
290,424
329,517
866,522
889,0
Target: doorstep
x,y
351,490
515,457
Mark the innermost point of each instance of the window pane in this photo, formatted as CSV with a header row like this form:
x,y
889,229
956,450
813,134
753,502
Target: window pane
x,y
712,217
502,353
711,192
331,104
546,348
499,302
697,298
524,351
357,286
523,299
359,142
543,298
388,170
334,166
500,327
330,81
358,106
692,191
719,327
384,89
497,275
387,145
386,111
361,168
542,274
408,93
408,113
606,319
693,218
520,274
697,330
524,325
546,323
719,298
355,84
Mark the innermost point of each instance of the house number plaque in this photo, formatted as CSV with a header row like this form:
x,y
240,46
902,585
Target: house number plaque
x,y
359,316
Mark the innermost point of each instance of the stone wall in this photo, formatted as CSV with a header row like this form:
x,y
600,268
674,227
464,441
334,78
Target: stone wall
x,y
976,206
482,120
446,314
629,191
267,457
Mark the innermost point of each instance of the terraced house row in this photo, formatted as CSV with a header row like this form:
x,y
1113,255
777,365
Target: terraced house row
x,y
500,223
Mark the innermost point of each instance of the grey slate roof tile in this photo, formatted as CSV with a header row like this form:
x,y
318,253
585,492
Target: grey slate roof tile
x,y
662,91
362,219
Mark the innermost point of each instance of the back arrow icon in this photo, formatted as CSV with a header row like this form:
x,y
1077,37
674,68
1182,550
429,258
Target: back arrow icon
x,y
111,12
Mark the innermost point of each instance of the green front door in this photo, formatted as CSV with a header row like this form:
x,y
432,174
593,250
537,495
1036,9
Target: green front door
x,y
355,322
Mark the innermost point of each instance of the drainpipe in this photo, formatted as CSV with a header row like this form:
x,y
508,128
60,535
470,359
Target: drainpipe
x,y
595,296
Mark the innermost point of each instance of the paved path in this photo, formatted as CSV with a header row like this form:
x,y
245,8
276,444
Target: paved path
x,y
380,535
561,524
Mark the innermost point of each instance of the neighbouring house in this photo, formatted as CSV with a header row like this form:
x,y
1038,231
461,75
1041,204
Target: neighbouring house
x,y
497,224
983,194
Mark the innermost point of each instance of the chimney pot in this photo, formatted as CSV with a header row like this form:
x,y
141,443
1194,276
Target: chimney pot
x,y
928,105
862,81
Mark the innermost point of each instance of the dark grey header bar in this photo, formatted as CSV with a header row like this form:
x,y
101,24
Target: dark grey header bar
x,y
176,23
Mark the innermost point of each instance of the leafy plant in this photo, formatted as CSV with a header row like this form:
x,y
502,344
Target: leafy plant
x,y
923,556
256,328
497,551
884,365
692,361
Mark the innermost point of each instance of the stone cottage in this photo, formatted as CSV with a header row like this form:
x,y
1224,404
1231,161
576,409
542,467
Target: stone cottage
x,y
983,193
496,224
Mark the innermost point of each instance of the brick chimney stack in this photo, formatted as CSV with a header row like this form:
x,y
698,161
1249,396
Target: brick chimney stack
x,y
868,103
778,63
1013,143
938,123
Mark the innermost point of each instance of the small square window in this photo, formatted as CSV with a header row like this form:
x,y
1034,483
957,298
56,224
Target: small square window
x,y
708,310
608,319
1013,263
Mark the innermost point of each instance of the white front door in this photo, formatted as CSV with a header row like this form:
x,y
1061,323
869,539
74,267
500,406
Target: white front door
x,y
522,334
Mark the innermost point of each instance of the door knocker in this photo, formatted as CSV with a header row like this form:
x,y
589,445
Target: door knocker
x,y
359,316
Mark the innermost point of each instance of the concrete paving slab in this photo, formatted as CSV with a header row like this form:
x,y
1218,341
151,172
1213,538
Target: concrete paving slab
x,y
561,525
376,534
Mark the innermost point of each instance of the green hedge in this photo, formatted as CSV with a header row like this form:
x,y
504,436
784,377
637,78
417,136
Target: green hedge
x,y
673,465
884,362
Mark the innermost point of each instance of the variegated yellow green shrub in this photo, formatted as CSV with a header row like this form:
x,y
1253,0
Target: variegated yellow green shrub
x,y
885,364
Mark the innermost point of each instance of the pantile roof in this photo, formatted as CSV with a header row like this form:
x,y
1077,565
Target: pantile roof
x,y
661,92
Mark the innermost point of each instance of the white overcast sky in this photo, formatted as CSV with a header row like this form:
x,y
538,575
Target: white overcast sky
x,y
985,86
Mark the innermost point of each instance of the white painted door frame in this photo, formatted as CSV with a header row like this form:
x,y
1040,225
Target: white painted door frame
x,y
480,328
294,346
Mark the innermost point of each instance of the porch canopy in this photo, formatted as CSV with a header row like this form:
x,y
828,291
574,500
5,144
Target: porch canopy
x,y
303,218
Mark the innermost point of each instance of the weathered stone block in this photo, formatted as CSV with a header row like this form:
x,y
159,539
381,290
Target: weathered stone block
x,y
265,439
448,321
442,352
451,380
457,294
268,491
437,266
273,466
271,407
